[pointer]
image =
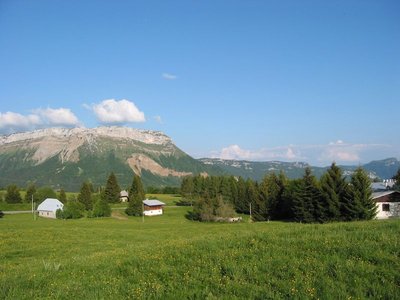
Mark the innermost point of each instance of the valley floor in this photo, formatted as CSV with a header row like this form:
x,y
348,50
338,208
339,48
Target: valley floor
x,y
170,257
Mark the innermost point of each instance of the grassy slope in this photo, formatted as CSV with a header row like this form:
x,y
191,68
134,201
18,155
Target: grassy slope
x,y
169,257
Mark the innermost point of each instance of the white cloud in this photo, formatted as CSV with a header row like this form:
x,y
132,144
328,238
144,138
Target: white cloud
x,y
237,153
323,154
11,122
57,117
112,111
168,76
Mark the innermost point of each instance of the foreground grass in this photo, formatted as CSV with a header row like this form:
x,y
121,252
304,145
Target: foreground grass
x,y
170,257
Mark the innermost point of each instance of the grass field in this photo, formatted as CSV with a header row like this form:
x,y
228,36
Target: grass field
x,y
169,257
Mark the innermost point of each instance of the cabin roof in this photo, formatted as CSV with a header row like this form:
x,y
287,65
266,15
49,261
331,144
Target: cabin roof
x,y
50,204
377,195
152,202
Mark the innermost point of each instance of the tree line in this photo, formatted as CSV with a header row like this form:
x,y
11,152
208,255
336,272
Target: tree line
x,y
98,205
87,202
308,200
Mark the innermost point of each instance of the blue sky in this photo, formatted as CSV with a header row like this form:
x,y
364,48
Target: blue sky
x,y
315,81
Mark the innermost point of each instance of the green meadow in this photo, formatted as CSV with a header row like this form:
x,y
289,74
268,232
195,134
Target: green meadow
x,y
170,257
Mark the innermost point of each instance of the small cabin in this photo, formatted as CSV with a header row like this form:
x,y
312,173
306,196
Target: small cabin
x,y
153,207
387,203
123,196
48,208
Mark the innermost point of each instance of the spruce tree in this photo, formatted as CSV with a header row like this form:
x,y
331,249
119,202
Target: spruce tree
x,y
136,197
251,198
112,190
241,206
62,196
333,188
30,193
259,206
300,206
280,206
234,191
312,197
85,195
187,187
271,191
362,195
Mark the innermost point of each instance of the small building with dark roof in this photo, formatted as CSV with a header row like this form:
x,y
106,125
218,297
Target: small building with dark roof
x,y
387,203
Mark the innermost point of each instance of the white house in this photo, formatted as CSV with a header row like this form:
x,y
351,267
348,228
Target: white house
x,y
49,207
123,196
387,203
153,207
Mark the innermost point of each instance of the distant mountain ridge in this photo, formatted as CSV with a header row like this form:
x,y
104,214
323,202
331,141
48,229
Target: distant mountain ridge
x,y
383,169
60,157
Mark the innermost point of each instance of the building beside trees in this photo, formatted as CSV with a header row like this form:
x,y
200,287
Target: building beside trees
x,y
48,208
331,198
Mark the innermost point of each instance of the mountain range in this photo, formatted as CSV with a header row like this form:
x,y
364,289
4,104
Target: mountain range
x,y
60,157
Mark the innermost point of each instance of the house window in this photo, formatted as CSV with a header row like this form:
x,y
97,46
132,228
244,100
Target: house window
x,y
386,207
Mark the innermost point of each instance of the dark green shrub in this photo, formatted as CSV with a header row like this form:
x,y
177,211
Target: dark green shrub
x,y
71,210
101,208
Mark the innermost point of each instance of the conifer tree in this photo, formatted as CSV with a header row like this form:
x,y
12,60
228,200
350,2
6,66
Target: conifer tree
x,y
234,190
362,195
136,197
198,183
112,190
225,189
261,205
333,188
187,187
251,197
241,205
271,191
62,196
300,206
30,192
312,197
85,195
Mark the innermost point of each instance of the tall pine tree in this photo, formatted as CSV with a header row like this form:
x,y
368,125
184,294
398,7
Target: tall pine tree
x,y
306,201
362,195
112,190
136,197
333,188
251,198
85,195
62,196
241,205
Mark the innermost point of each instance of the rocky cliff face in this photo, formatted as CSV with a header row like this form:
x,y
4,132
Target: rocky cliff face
x,y
66,157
